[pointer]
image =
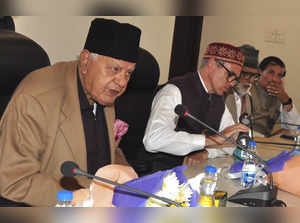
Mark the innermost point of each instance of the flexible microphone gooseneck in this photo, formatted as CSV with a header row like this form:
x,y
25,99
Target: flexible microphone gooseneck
x,y
251,118
71,169
183,112
278,143
287,123
258,193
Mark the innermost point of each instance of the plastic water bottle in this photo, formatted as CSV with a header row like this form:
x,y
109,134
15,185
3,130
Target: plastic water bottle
x,y
208,187
252,148
249,167
64,198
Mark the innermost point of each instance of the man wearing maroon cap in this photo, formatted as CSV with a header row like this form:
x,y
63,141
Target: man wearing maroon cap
x,y
202,92
66,112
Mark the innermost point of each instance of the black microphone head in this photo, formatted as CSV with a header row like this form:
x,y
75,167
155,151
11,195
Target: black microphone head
x,y
181,110
243,139
245,119
67,168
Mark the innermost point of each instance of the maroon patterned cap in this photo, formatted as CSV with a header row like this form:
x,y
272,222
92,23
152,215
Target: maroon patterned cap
x,y
225,52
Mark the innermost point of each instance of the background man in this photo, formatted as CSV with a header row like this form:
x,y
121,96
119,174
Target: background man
x,y
202,92
66,112
237,99
271,101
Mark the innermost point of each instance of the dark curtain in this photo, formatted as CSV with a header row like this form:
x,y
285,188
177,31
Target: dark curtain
x,y
186,45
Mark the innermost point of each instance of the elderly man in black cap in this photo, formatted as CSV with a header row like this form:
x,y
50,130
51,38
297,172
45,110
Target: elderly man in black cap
x,y
238,99
66,112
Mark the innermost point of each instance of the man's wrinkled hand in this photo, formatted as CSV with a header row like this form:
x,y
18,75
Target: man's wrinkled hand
x,y
195,158
230,132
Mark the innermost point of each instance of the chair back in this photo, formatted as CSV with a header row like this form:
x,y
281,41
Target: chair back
x,y
19,55
134,107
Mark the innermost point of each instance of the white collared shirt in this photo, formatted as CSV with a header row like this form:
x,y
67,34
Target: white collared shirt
x,y
289,117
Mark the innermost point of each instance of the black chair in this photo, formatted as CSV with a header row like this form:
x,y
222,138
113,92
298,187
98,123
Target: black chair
x,y
134,107
19,56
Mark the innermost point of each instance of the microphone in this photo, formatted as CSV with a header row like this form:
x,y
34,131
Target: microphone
x,y
183,112
259,196
71,169
245,119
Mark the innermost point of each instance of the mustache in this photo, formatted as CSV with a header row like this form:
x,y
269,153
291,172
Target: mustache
x,y
242,89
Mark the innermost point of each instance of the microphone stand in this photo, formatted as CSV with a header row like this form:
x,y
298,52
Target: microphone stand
x,y
251,121
261,196
123,186
252,110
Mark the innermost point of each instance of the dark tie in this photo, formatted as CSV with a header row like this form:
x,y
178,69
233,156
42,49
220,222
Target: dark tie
x,y
99,153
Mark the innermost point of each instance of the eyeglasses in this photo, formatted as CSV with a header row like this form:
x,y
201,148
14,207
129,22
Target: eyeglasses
x,y
232,77
248,75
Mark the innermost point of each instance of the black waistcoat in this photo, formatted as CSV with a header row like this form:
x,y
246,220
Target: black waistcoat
x,y
208,108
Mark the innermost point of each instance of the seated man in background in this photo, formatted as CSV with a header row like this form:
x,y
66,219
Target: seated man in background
x,y
270,99
202,92
66,112
237,98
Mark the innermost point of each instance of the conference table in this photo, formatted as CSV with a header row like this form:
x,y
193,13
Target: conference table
x,y
265,151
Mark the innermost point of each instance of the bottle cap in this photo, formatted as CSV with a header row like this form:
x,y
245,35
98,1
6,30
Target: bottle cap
x,y
210,169
64,195
251,143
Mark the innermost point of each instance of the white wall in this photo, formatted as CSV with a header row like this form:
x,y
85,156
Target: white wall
x,y
63,37
271,35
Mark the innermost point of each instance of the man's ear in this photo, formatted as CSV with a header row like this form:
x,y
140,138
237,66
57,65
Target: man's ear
x,y
83,61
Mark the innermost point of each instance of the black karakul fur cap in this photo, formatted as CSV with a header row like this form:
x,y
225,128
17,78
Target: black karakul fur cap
x,y
113,39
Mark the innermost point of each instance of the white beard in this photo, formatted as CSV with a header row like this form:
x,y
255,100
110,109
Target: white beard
x,y
242,89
